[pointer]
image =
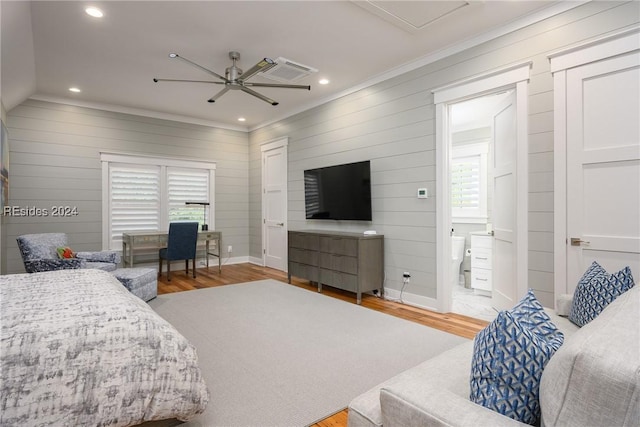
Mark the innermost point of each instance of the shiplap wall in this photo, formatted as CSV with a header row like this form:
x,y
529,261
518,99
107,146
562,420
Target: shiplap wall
x,y
55,160
392,124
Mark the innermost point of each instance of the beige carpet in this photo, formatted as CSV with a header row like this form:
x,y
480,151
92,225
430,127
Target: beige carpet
x,y
277,355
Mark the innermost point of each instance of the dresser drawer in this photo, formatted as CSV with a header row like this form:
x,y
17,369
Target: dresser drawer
x,y
303,241
348,282
481,257
481,279
342,263
303,256
339,245
302,270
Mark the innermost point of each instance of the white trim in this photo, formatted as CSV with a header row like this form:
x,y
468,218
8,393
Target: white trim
x,y
522,188
136,112
274,143
482,83
411,299
145,159
515,76
603,47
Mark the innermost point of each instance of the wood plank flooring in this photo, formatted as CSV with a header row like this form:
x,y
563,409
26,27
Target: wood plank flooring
x,y
239,273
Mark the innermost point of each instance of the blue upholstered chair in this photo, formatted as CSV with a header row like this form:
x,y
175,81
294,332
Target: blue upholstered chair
x,y
39,253
181,245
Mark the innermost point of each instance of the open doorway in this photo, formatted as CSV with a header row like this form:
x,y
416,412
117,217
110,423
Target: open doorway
x,y
472,135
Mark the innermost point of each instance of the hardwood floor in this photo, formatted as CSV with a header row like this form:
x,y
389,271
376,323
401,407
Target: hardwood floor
x,y
238,273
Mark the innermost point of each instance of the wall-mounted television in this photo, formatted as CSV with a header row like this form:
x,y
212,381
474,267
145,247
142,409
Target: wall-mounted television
x,y
341,192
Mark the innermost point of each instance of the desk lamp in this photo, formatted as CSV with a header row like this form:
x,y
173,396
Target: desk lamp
x,y
204,205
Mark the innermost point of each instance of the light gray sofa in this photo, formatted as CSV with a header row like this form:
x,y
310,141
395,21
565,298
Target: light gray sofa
x,y
592,380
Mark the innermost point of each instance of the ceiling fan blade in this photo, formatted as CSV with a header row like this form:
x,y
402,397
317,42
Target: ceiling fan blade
x,y
206,70
307,87
257,95
218,95
263,65
187,81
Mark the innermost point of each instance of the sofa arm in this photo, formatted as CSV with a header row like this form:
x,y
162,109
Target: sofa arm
x,y
102,256
416,404
40,265
563,304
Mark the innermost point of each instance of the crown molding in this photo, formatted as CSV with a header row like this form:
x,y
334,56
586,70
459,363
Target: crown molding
x,y
137,112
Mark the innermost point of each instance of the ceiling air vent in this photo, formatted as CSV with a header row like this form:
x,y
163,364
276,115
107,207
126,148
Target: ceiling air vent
x,y
288,71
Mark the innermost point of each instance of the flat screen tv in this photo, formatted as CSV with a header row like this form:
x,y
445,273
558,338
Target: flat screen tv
x,y
341,192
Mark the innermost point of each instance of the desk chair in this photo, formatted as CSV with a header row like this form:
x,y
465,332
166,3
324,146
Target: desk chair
x,y
181,245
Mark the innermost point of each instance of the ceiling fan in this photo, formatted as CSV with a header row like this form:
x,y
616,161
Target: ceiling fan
x,y
235,78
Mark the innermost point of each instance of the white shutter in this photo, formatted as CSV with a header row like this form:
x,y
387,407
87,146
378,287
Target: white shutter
x,y
465,183
187,185
469,183
135,199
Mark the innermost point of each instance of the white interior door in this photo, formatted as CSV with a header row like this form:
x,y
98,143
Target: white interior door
x,y
603,166
274,207
504,161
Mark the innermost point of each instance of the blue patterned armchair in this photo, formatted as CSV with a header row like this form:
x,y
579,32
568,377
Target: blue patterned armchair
x,y
39,253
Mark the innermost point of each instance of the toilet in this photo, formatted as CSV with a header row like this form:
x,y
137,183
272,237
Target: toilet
x,y
457,255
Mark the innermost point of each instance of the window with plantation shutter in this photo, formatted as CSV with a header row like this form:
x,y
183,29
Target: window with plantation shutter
x,y
145,193
187,185
135,199
469,183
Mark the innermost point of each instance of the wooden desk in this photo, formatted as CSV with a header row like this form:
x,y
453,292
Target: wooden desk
x,y
158,239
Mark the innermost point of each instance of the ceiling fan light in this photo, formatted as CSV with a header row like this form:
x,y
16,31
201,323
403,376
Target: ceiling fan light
x,y
323,81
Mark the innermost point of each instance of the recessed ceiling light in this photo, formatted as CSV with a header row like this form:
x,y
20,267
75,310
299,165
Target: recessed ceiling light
x,y
241,119
74,89
94,11
323,81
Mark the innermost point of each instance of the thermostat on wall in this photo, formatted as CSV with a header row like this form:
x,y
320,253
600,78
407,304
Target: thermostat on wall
x,y
422,193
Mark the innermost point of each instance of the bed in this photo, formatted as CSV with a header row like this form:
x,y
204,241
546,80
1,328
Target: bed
x,y
78,349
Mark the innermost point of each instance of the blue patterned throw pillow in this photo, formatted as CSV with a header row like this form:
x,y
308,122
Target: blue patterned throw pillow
x,y
596,290
530,313
509,356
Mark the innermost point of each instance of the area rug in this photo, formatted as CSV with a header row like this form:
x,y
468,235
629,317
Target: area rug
x,y
277,355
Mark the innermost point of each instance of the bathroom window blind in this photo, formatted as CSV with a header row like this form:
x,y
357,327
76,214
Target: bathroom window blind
x,y
469,183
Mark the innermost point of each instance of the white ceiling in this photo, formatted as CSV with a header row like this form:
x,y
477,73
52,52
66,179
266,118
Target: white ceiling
x,y
50,46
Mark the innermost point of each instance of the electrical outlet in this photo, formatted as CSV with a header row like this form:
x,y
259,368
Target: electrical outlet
x,y
230,249
405,277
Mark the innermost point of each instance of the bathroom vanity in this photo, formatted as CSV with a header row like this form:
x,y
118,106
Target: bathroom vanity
x,y
481,262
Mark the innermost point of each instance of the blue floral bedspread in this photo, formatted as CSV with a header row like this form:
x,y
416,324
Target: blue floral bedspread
x,y
77,349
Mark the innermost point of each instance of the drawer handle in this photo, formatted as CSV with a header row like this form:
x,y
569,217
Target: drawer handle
x,y
482,258
481,280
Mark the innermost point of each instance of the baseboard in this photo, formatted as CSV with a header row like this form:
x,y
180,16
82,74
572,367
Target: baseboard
x,y
256,261
411,299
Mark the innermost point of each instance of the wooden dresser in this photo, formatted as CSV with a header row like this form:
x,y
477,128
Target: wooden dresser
x,y
349,261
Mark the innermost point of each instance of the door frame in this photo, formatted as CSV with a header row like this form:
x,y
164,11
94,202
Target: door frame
x,y
560,62
512,77
264,147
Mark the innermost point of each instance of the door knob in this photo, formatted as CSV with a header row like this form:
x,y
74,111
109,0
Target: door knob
x,y
281,224
576,241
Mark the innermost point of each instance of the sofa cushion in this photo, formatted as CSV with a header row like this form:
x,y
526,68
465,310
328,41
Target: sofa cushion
x,y
594,378
597,289
509,356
